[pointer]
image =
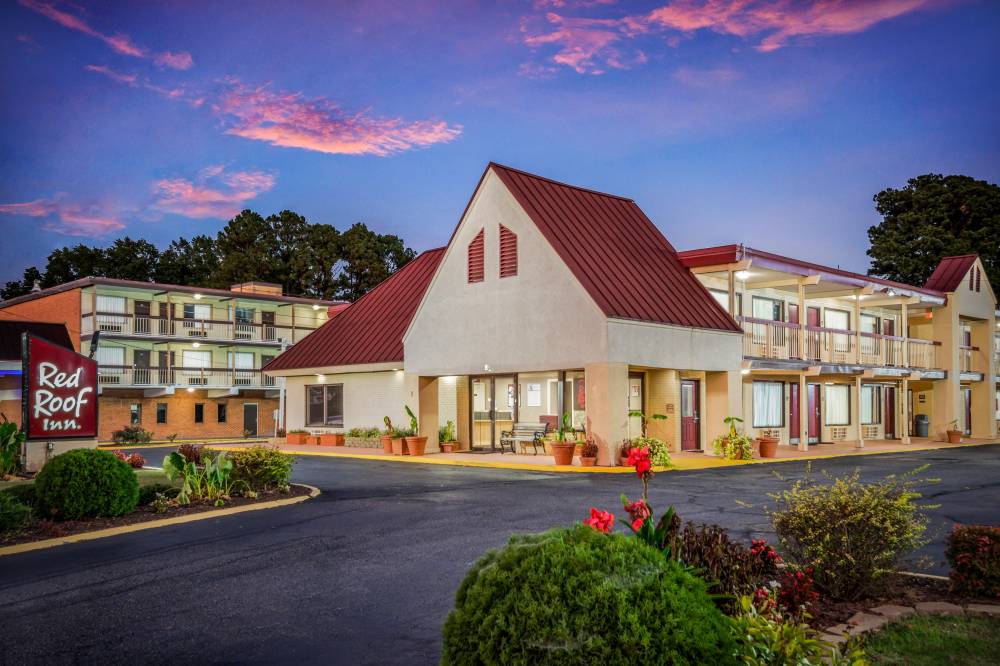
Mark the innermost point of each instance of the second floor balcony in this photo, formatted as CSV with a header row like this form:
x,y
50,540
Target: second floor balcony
x,y
126,376
192,329
779,340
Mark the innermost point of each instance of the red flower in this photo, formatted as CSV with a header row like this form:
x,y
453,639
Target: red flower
x,y
638,457
638,511
602,521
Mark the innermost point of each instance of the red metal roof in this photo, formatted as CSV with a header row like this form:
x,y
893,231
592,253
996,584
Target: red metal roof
x,y
623,261
950,272
371,329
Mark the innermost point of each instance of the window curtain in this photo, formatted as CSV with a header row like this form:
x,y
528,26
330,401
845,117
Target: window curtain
x,y
768,404
196,359
114,306
110,356
765,308
838,404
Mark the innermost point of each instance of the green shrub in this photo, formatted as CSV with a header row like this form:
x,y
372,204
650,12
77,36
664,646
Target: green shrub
x,y
148,493
213,482
446,433
131,435
851,533
262,467
974,555
764,640
577,596
734,445
659,452
363,433
14,514
11,439
86,483
22,492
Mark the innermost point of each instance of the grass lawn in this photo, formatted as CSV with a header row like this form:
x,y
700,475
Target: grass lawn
x,y
936,639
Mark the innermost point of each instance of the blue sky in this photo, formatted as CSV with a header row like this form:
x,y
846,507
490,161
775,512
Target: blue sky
x,y
769,122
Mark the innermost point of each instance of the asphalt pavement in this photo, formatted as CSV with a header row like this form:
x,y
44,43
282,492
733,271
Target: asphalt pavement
x,y
366,572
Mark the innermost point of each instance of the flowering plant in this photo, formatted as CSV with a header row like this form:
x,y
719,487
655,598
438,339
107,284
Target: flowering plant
x,y
602,521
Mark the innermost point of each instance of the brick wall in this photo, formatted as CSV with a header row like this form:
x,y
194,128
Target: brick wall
x,y
115,412
61,308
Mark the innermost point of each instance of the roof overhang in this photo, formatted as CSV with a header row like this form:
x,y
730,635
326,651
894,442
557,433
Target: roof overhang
x,y
337,369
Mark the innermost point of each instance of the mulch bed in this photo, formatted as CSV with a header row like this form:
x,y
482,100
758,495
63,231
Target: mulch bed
x,y
39,530
900,591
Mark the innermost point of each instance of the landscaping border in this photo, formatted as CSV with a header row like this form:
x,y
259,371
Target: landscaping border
x,y
151,524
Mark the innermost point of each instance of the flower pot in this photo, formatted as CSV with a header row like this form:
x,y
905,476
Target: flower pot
x,y
329,439
563,452
954,436
386,444
312,440
398,446
296,438
587,462
416,445
447,447
768,447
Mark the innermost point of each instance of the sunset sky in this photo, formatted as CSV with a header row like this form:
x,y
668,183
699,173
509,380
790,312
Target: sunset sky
x,y
769,122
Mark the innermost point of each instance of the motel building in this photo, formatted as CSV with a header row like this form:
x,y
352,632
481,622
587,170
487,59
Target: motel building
x,y
552,299
177,360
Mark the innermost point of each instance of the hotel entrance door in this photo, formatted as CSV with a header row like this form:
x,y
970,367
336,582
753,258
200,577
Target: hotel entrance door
x,y
494,409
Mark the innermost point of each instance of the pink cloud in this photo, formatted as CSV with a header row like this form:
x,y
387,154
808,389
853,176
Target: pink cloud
x,y
127,79
119,42
216,193
292,121
592,45
66,218
133,81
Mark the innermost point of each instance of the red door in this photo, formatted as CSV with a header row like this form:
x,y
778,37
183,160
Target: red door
x,y
889,411
689,415
793,313
812,337
889,327
794,422
813,393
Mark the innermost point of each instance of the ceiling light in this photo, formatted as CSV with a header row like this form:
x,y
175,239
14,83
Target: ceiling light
x,y
196,344
197,297
742,275
315,307
190,390
745,371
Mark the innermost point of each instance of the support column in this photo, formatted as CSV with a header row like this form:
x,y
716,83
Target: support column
x,y
663,397
945,394
732,292
804,415
904,332
463,419
905,408
803,318
427,411
607,407
857,330
984,423
856,410
723,397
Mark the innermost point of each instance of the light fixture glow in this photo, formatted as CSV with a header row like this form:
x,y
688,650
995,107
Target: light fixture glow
x,y
742,275
190,390
315,307
196,344
197,297
745,371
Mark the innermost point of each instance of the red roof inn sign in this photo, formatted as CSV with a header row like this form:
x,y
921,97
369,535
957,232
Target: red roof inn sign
x,y
58,391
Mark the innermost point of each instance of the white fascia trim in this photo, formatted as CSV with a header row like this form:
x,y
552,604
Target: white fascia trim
x,y
653,324
336,369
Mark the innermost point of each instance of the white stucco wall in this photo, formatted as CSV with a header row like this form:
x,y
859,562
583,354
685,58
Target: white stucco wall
x,y
540,319
368,397
675,347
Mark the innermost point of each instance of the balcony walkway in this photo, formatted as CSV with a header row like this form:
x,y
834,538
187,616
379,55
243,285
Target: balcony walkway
x,y
687,460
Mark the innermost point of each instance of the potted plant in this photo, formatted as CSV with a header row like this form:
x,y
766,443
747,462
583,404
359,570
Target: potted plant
x,y
623,450
415,444
588,453
767,443
446,437
312,440
386,438
399,436
296,437
733,445
644,420
331,439
563,448
953,433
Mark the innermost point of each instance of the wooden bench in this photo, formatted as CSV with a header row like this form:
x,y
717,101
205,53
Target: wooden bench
x,y
524,434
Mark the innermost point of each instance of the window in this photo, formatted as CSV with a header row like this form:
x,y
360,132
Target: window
x,y
110,356
739,305
220,414
972,278
240,360
110,313
199,412
838,319
196,359
871,404
135,413
722,297
870,324
477,271
197,311
838,404
979,278
768,404
767,308
161,412
508,252
243,315
325,405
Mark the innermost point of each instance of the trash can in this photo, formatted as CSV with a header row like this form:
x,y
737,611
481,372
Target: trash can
x,y
921,425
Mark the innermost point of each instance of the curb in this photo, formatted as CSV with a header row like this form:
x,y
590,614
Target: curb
x,y
152,524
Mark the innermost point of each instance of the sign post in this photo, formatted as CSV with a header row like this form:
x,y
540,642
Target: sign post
x,y
58,393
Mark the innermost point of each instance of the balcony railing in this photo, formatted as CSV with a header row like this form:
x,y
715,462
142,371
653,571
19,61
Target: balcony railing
x,y
969,359
764,338
131,376
196,329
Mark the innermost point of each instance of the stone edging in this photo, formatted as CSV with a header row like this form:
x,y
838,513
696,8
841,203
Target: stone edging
x,y
152,524
873,619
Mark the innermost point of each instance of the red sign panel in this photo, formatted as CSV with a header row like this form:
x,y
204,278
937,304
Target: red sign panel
x,y
58,391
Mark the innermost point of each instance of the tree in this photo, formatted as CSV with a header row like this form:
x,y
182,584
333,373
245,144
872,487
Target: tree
x,y
16,288
247,247
324,253
367,259
932,217
67,264
129,259
189,262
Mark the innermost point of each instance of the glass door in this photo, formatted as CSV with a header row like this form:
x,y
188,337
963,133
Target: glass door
x,y
504,405
482,409
634,404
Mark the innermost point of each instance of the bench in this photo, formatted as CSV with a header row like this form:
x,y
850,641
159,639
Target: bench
x,y
524,434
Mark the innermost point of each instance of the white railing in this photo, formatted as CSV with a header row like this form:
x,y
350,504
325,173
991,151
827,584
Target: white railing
x,y
181,377
187,329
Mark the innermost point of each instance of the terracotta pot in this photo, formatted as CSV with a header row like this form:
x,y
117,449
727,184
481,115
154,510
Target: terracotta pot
x,y
416,445
447,447
563,452
386,444
768,447
398,446
623,461
587,462
296,438
954,436
330,439
312,440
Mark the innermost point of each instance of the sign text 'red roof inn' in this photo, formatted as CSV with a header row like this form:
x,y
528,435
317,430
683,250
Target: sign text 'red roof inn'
x,y
58,392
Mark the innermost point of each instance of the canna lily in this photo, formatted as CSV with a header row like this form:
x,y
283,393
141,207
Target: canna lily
x,y
602,521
